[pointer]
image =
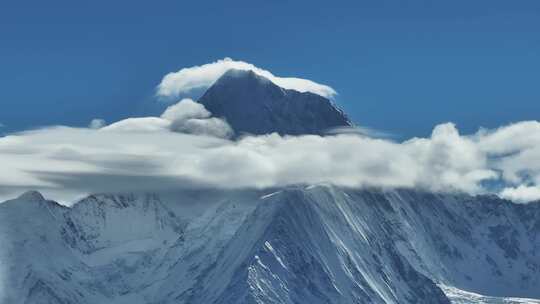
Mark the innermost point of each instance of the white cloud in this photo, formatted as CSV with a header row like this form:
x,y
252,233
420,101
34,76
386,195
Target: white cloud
x,y
117,158
191,117
453,159
522,193
139,124
185,109
188,79
516,151
186,116
510,139
96,123
209,126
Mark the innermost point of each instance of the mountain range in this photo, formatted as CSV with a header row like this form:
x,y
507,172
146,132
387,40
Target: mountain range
x,y
297,244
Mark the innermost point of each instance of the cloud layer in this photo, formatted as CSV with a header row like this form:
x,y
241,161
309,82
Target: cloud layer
x,y
187,79
155,153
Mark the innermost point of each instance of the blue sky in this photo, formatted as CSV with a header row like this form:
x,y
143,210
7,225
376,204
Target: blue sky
x,y
398,66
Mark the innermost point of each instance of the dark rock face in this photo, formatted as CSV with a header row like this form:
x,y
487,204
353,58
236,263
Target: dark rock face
x,y
253,104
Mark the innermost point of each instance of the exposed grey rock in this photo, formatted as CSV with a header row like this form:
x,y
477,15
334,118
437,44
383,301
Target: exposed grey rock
x,y
253,104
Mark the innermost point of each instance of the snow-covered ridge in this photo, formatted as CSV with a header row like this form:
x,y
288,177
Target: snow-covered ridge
x,y
317,244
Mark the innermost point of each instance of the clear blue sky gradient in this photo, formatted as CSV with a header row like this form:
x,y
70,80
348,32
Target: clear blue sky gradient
x,y
398,66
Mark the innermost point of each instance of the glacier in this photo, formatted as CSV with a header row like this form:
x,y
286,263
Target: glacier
x,y
301,244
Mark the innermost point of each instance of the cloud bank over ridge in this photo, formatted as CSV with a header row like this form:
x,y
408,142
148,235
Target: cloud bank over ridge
x,y
64,162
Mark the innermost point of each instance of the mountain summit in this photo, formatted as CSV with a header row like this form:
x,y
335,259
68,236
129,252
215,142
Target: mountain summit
x,y
253,104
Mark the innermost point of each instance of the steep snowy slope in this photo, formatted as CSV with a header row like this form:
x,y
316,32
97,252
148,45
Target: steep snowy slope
x,y
297,248
36,264
317,244
107,248
324,244
253,104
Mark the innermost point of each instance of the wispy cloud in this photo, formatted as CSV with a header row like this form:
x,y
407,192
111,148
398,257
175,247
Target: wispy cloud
x,y
197,77
361,130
